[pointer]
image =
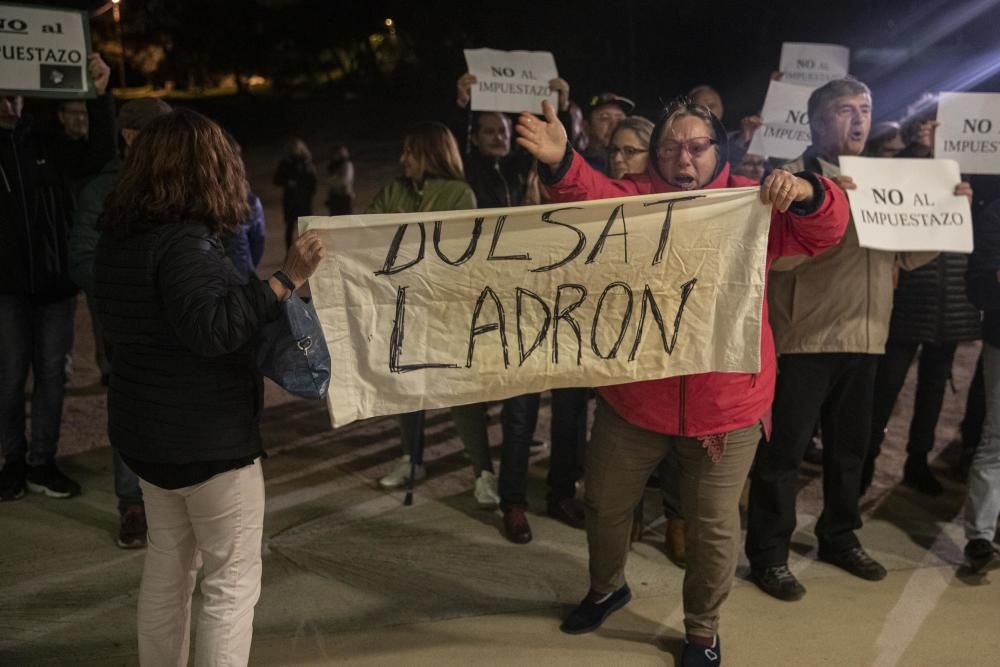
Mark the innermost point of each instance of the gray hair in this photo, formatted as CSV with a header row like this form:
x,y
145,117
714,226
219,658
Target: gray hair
x,y
831,90
643,128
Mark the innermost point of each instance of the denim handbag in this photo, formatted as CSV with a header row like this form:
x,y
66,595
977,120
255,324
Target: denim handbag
x,y
292,351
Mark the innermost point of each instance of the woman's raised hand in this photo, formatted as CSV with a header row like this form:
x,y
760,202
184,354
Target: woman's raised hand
x,y
544,138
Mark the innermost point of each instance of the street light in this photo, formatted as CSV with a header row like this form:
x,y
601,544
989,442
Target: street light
x,y
117,14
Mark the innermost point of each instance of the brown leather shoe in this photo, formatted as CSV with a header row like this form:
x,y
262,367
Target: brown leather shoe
x,y
676,543
515,525
567,510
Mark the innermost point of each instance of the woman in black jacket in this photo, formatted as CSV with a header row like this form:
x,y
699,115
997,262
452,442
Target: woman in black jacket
x,y
184,399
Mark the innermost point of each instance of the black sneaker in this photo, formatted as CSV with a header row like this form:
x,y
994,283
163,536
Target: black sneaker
x,y
12,478
589,615
978,553
696,655
917,475
778,581
132,532
48,479
855,561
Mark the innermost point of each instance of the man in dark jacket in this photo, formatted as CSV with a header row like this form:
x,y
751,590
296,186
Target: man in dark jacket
x,y
132,117
37,298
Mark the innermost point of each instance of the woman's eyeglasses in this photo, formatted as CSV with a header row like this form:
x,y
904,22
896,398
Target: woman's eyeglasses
x,y
627,152
695,147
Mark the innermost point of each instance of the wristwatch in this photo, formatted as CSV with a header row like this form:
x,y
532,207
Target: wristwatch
x,y
286,281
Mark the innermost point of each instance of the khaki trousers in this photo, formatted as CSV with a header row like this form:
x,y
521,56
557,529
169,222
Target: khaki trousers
x,y
620,459
216,526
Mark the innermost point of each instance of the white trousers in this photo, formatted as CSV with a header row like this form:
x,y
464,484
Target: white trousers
x,y
218,525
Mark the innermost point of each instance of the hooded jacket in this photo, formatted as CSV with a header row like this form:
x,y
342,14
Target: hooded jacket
x,y
707,404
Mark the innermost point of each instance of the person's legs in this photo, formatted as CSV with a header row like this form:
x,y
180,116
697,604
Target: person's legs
x,y
669,472
846,429
126,483
802,385
889,379
52,331
983,503
518,419
168,578
101,356
227,515
15,361
711,498
933,374
470,422
975,412
568,439
620,459
411,432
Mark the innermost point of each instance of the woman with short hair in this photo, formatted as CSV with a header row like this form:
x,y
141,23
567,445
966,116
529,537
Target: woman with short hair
x,y
185,400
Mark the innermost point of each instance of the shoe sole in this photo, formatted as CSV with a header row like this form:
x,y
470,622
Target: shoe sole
x,y
876,576
612,609
38,488
16,496
130,545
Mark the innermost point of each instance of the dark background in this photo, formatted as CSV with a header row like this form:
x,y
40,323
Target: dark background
x,y
643,49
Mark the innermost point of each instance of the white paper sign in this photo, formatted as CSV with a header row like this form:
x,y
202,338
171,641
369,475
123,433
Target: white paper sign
x,y
969,131
43,52
430,310
813,64
785,132
511,81
908,204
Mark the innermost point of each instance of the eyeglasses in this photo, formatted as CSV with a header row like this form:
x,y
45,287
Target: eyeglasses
x,y
696,147
627,152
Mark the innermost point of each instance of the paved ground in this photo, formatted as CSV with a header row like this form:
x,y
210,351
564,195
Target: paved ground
x,y
351,576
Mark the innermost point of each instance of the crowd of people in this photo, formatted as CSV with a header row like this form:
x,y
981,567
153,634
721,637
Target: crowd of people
x,y
150,214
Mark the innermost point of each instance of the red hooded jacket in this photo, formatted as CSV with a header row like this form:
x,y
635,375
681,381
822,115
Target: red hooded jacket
x,y
709,403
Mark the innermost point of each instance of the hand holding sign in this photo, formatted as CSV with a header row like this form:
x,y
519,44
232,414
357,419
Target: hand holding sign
x,y
99,72
544,139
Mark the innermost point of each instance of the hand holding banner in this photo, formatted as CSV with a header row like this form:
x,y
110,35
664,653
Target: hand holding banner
x,y
430,310
813,64
908,204
43,52
969,131
511,81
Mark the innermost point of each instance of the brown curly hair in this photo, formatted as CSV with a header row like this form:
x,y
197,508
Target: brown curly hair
x,y
182,167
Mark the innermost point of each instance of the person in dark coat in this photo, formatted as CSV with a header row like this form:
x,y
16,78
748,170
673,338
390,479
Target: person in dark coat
x,y
38,171
185,399
296,176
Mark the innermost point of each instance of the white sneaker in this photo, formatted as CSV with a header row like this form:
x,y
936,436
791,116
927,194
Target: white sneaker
x,y
486,490
401,472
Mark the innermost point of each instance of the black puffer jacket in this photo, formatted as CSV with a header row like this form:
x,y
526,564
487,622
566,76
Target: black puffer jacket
x,y
930,305
183,388
37,172
984,265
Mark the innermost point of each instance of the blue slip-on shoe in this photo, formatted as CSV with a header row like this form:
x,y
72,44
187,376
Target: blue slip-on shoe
x,y
590,615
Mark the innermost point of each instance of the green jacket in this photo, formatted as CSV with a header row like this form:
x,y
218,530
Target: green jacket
x,y
436,194
839,300
84,235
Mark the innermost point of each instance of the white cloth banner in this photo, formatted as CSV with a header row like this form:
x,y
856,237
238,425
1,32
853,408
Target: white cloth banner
x,y
969,131
43,52
511,81
813,65
785,132
908,204
429,310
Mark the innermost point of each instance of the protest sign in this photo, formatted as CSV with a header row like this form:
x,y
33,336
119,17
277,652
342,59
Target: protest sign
x,y
969,131
43,52
908,204
810,64
511,81
429,310
785,132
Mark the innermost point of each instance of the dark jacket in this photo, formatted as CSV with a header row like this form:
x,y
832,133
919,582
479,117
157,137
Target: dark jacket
x,y
181,320
930,305
498,182
983,283
245,248
37,170
84,235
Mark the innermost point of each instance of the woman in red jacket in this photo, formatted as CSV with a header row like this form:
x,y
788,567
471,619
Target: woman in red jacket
x,y
713,420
